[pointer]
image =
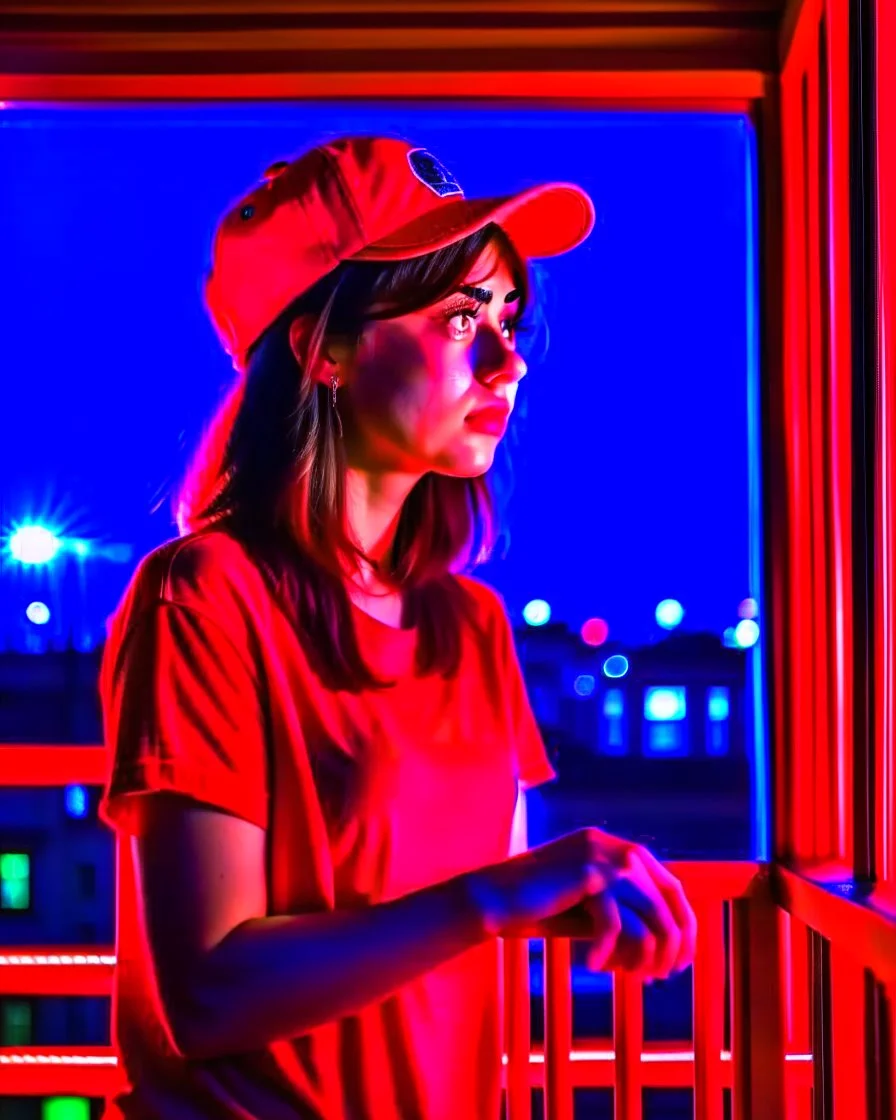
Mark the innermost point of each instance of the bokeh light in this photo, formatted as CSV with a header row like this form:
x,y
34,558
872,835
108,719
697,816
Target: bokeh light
x,y
746,633
38,613
537,612
669,614
748,608
729,638
616,666
76,801
584,684
595,632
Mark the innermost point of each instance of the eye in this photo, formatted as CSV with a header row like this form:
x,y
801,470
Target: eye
x,y
466,316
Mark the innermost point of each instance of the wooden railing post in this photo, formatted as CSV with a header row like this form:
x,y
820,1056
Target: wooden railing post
x,y
757,1005
558,1093
628,1038
709,1023
849,1043
517,1027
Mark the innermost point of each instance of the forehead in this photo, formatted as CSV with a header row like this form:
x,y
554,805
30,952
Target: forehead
x,y
492,268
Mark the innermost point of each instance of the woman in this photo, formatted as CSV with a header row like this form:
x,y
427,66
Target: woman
x,y
317,730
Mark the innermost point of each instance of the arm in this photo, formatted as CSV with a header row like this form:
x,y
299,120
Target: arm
x,y
231,979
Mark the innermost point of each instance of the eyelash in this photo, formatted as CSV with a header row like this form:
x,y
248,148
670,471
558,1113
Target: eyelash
x,y
471,310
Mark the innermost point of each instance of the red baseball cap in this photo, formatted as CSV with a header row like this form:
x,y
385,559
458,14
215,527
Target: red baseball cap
x,y
362,199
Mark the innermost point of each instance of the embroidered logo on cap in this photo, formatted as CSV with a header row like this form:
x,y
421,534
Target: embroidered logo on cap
x,y
432,173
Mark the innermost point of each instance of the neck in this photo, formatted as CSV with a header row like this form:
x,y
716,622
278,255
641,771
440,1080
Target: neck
x,y
373,508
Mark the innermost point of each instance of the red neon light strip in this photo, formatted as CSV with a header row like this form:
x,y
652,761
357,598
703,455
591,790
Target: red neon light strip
x,y
731,90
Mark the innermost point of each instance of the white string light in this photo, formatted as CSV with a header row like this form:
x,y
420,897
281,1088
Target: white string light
x,y
58,1060
56,958
647,1056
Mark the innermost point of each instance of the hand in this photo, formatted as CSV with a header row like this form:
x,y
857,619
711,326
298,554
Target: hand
x,y
642,885
637,916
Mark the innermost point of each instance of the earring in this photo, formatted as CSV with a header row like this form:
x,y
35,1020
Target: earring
x,y
334,385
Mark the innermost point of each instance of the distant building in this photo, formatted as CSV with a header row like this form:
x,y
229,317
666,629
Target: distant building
x,y
683,697
648,742
57,862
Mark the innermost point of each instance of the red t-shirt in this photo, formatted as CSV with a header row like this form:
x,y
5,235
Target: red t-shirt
x,y
367,796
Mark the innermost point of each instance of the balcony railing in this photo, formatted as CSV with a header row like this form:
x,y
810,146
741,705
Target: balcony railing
x,y
763,1053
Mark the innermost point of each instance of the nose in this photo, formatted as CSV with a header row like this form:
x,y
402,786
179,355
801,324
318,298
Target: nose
x,y
495,360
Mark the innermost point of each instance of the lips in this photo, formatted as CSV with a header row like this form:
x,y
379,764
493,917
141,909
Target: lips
x,y
491,420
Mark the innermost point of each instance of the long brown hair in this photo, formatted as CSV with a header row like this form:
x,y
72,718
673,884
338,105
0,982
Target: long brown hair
x,y
271,472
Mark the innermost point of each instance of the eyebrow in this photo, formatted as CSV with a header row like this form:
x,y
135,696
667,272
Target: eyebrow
x,y
483,295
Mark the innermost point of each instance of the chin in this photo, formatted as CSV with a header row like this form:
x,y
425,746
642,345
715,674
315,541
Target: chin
x,y
471,465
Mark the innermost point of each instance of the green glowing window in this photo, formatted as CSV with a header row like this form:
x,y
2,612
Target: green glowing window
x,y
15,881
66,1108
15,1023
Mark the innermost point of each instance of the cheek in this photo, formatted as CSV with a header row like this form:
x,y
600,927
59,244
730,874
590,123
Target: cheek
x,y
415,410
439,404
425,401
412,393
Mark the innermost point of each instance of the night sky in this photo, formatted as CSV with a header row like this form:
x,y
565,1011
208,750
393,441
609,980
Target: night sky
x,y
632,452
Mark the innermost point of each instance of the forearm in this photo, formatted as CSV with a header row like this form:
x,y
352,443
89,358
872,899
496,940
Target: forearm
x,y
276,978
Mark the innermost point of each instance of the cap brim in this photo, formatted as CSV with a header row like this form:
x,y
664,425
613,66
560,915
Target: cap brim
x,y
543,221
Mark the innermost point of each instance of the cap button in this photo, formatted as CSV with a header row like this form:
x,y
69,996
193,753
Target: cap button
x,y
275,169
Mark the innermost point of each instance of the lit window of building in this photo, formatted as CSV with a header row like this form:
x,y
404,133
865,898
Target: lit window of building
x,y
15,881
66,1108
612,724
665,721
718,722
16,1022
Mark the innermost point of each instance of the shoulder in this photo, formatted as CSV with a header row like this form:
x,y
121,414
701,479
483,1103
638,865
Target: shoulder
x,y
209,573
487,604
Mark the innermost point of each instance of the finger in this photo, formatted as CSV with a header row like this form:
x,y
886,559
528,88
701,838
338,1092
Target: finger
x,y
636,889
607,927
635,946
682,911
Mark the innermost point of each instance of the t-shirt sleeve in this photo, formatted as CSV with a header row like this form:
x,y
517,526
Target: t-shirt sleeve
x,y
182,713
533,766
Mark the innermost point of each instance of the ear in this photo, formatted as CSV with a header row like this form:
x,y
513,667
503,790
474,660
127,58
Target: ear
x,y
333,357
